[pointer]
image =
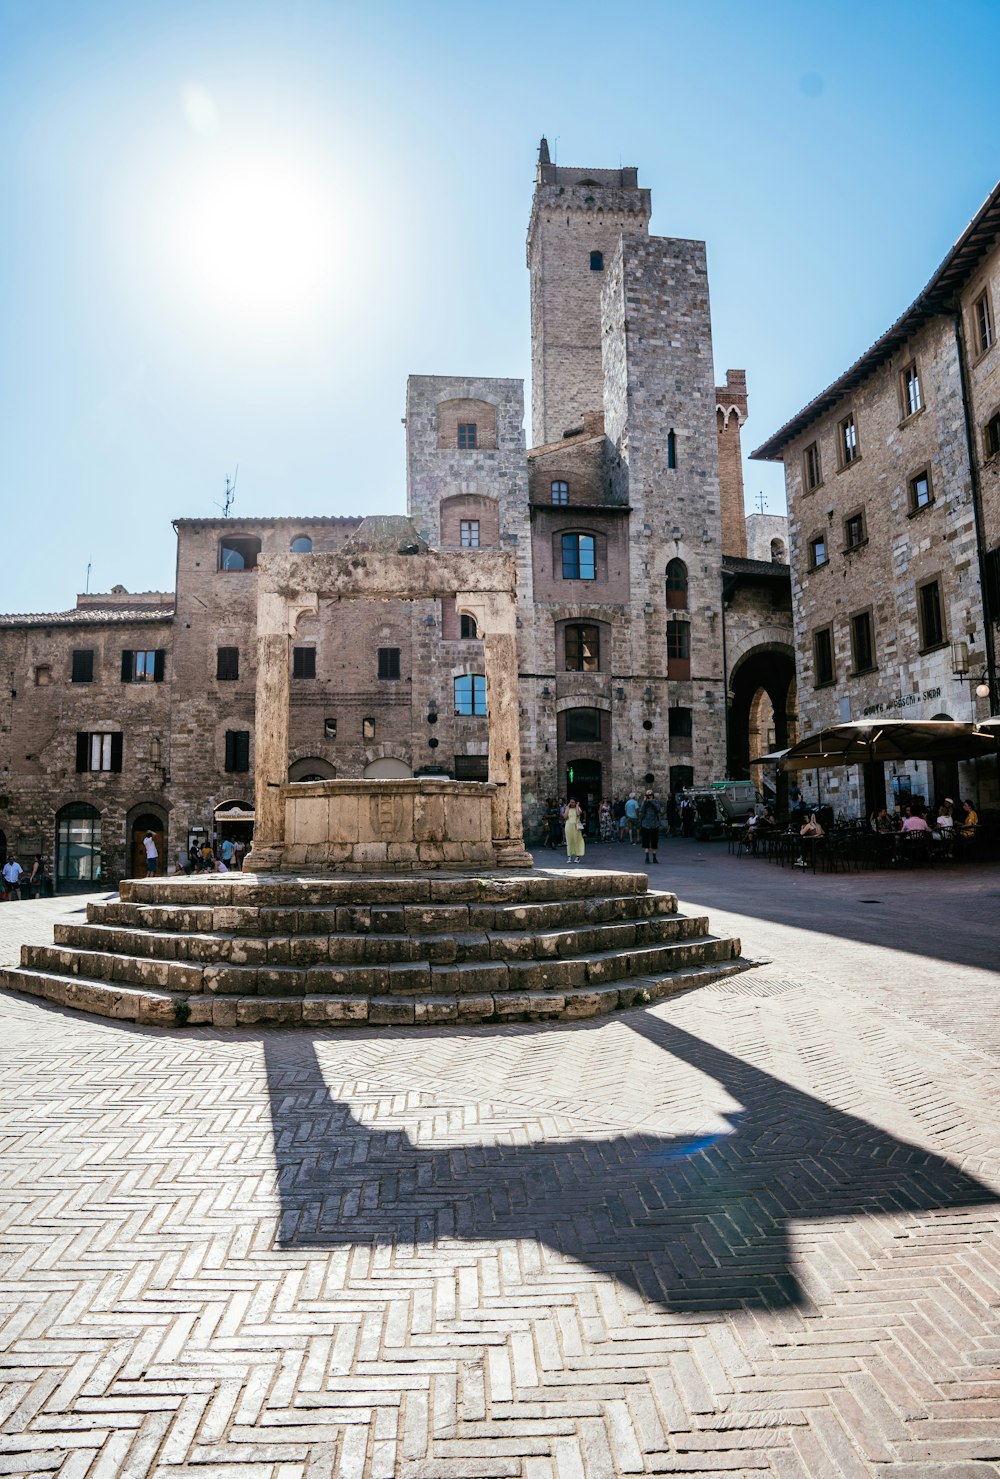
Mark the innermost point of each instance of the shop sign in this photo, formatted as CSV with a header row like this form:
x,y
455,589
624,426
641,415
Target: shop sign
x,y
901,701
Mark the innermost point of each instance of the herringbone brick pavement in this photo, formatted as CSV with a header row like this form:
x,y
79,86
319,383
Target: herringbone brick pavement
x,y
754,1230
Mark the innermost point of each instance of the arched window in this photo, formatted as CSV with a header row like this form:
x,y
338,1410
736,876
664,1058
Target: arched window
x,y
671,449
78,845
560,491
678,649
301,545
777,551
583,647
677,586
468,630
597,261
579,557
239,552
583,726
470,694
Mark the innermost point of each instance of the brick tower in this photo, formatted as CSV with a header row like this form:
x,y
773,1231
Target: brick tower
x,y
578,217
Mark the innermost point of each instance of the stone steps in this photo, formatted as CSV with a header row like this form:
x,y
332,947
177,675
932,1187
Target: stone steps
x,y
164,1008
234,950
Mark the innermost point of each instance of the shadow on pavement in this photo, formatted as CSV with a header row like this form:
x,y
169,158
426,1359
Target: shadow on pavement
x,y
690,1223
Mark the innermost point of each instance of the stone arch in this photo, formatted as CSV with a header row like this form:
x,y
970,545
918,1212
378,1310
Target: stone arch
x,y
467,506
762,701
139,819
311,768
388,768
465,411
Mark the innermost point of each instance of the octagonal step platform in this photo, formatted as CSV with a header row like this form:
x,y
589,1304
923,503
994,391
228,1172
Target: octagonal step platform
x,y
241,950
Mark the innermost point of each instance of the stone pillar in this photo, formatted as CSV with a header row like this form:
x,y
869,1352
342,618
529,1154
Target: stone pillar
x,y
496,620
276,621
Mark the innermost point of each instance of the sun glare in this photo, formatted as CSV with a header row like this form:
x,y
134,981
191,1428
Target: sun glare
x,y
255,237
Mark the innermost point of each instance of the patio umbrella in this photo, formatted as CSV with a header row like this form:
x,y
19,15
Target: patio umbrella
x,y
861,742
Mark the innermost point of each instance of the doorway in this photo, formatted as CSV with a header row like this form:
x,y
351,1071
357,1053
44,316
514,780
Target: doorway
x,y
147,821
583,784
873,775
78,846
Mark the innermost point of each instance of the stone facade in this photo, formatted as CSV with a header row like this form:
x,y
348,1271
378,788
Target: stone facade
x,y
893,514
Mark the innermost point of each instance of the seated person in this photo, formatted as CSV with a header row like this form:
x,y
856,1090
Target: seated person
x,y
914,822
945,820
970,821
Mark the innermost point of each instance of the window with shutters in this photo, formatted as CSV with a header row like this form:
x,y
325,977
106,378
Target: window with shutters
x,y
991,436
812,468
237,750
82,670
847,441
143,666
227,664
862,642
921,492
303,662
98,751
909,390
932,632
823,669
982,323
388,662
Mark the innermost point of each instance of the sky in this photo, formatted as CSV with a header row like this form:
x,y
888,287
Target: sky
x,y
231,230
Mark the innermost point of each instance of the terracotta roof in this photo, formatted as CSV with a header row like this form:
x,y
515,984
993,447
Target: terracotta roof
x,y
939,296
735,565
89,616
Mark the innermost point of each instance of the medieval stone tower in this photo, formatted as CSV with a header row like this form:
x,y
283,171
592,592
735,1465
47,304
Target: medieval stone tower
x,y
578,217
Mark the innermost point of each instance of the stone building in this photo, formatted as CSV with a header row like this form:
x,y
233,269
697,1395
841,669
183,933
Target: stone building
x,y
652,648
893,483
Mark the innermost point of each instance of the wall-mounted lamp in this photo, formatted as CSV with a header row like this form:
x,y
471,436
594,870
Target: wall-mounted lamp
x,y
546,693
619,693
676,532
648,695
960,659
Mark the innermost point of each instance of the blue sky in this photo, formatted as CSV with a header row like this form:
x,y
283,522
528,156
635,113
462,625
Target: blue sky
x,y
232,229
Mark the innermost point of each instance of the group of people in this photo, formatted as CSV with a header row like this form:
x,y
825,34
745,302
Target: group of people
x,y
16,881
631,820
950,822
226,857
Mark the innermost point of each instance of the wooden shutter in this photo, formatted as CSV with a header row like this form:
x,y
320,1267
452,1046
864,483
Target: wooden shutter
x,y
128,666
82,752
159,663
116,751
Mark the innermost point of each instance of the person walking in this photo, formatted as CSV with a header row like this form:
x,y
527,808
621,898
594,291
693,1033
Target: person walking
x,y
575,845
239,848
152,855
632,818
12,872
649,826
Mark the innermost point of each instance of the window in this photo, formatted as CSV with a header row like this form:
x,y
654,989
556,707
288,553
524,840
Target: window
x,y
467,436
143,666
583,726
909,388
991,435
469,533
78,844
677,585
82,670
812,468
597,261
388,662
303,662
679,725
862,645
227,664
468,630
671,450
471,768
239,553
237,750
817,552
330,729
470,694
43,675
301,545
847,439
931,618
678,649
823,668
579,557
777,551
982,322
854,531
681,778
583,648
368,729
560,492
920,491
99,752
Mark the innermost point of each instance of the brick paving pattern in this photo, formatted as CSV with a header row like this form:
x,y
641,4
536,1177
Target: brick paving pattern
x,y
754,1229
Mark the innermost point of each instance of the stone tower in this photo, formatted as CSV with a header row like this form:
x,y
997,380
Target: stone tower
x,y
578,218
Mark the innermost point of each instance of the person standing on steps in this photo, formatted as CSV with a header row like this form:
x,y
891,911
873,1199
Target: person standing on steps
x,y
649,826
575,844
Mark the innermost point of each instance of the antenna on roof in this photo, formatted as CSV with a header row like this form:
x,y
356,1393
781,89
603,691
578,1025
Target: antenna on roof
x,y
87,586
762,501
230,494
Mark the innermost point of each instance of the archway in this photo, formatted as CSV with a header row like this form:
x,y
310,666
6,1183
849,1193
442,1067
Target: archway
x,y
312,768
78,846
388,768
762,712
584,784
140,822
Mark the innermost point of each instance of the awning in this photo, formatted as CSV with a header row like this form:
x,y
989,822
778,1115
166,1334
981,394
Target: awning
x,y
860,743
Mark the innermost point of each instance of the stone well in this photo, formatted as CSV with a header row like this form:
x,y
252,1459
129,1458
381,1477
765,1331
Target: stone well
x,y
360,826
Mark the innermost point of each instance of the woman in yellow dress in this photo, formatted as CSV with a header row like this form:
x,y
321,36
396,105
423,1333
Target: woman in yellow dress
x,y
574,832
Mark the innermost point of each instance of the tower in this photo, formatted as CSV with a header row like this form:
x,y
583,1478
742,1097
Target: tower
x,y
578,218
